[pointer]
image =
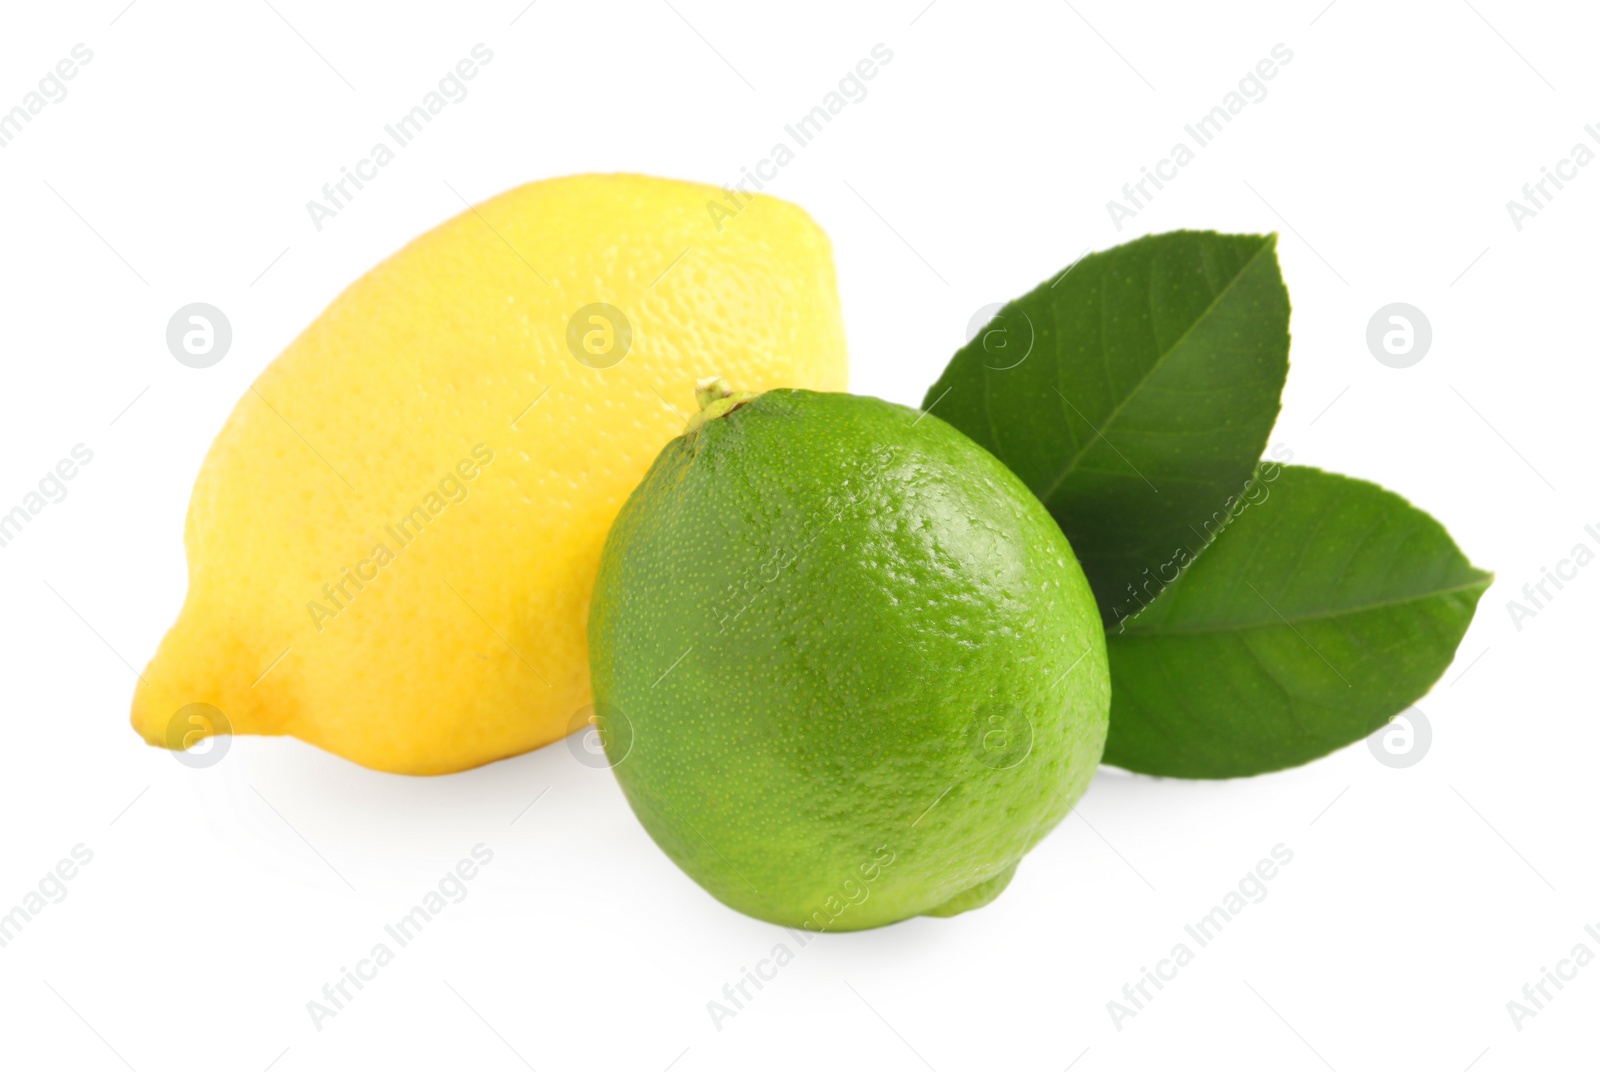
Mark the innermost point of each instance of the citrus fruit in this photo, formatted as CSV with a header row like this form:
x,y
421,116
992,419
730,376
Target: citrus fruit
x,y
394,537
846,667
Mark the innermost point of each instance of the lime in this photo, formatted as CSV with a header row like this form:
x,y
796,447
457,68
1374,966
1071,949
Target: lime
x,y
851,668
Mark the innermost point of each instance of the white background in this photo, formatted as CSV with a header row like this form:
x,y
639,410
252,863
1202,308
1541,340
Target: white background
x,y
220,901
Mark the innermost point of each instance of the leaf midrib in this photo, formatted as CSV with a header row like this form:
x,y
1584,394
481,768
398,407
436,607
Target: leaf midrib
x,y
1161,359
1482,581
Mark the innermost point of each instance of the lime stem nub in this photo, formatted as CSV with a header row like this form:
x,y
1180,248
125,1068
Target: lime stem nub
x,y
710,389
716,398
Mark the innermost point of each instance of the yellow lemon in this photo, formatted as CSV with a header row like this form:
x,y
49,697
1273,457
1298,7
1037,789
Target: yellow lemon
x,y
393,540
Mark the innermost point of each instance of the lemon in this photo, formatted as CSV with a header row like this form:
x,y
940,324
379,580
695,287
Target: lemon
x,y
393,540
846,667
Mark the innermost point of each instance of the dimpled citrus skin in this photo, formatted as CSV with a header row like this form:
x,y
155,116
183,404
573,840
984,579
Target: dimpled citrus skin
x,y
468,643
805,618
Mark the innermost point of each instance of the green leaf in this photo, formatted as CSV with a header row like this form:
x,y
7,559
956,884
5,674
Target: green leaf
x,y
1133,394
1323,608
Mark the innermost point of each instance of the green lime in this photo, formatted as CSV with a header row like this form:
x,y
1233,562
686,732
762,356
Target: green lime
x,y
858,666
